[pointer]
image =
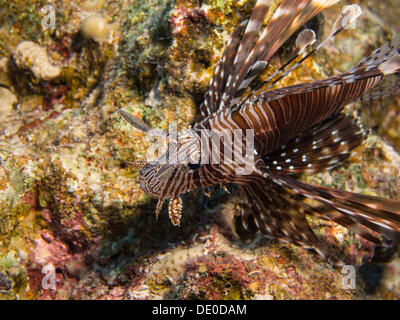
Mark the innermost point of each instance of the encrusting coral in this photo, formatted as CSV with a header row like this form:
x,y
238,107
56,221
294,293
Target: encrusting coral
x,y
30,56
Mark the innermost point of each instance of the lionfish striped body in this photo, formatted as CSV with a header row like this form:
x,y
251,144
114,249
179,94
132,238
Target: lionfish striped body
x,y
296,129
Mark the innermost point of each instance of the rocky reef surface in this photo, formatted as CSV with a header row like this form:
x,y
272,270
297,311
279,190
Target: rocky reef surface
x,y
71,208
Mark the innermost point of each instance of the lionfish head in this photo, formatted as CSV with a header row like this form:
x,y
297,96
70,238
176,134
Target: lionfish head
x,y
157,180
165,177
168,176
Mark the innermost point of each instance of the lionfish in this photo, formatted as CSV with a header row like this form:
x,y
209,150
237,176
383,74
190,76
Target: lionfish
x,y
296,129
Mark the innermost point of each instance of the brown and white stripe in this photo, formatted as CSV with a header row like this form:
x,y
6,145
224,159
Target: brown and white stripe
x,y
296,129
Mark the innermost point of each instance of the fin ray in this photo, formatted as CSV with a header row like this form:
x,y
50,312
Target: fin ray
x,y
378,214
321,147
247,56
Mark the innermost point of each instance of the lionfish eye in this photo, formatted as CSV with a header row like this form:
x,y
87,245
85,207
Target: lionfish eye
x,y
194,166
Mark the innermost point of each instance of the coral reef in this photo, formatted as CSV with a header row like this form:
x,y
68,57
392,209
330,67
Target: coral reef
x,y
69,193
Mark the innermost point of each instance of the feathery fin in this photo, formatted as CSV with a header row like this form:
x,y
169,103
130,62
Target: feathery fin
x,y
348,16
381,55
390,66
287,19
160,204
388,86
321,147
175,211
378,214
251,54
278,214
305,39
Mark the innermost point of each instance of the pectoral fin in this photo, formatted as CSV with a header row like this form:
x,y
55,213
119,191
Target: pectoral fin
x,y
175,211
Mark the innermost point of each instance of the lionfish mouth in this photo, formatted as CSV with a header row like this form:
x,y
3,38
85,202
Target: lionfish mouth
x,y
153,180
146,175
